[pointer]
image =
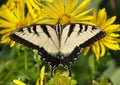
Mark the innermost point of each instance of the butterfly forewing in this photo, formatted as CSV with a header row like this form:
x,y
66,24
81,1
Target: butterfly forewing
x,y
38,36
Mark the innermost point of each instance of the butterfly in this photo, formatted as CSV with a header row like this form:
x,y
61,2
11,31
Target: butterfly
x,y
58,44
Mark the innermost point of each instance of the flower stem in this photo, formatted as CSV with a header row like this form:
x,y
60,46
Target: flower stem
x,y
26,59
38,64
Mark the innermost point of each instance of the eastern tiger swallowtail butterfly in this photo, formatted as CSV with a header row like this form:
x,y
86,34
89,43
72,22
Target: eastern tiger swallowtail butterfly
x,y
58,44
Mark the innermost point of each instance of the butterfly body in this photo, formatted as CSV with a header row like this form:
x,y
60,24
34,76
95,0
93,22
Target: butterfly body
x,y
58,44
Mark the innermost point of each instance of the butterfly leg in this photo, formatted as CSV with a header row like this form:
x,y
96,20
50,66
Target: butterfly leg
x,y
68,69
53,71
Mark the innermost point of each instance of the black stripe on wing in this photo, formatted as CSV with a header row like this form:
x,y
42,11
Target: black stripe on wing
x,y
52,60
68,60
23,41
95,38
71,29
45,30
30,29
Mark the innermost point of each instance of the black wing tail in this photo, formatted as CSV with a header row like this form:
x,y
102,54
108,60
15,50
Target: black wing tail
x,y
68,60
53,61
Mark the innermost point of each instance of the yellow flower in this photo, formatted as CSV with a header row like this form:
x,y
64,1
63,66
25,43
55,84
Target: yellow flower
x,y
13,4
38,82
12,19
111,40
41,78
68,11
63,81
62,78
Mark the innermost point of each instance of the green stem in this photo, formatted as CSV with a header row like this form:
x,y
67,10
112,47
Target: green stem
x,y
37,60
26,59
38,63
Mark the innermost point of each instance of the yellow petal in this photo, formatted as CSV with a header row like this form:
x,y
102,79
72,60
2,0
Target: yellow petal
x,y
68,7
6,24
111,43
102,16
7,40
95,17
41,78
102,49
18,82
86,50
59,5
114,35
112,46
109,21
48,0
52,7
5,36
96,50
83,18
34,3
83,13
12,43
70,4
8,15
80,7
112,28
50,13
6,31
42,73
53,22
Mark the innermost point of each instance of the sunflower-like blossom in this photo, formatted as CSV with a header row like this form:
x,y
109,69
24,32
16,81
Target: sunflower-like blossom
x,y
112,38
14,18
67,11
30,4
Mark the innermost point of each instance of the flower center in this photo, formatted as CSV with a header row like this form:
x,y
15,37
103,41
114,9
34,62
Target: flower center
x,y
64,20
20,24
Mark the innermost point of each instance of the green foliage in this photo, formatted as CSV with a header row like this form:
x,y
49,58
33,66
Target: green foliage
x,y
103,81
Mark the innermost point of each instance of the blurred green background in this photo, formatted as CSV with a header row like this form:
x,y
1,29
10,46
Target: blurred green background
x,y
86,69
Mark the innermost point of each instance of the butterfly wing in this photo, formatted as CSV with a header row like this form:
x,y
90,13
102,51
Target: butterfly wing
x,y
40,37
37,37
77,36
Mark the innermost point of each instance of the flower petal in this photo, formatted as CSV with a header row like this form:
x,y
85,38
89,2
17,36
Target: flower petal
x,y
96,50
12,43
6,31
102,16
102,49
42,75
112,28
109,21
59,5
80,7
70,5
18,82
86,50
83,13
